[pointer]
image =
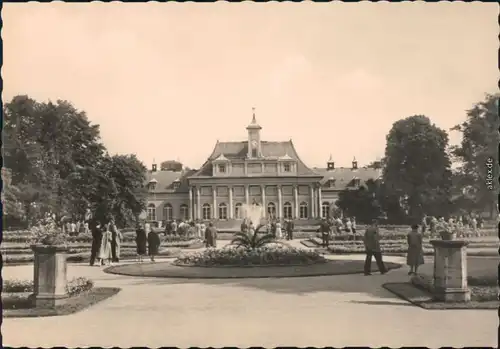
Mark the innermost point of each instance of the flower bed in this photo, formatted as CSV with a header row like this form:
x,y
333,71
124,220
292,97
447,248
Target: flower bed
x,y
16,293
268,255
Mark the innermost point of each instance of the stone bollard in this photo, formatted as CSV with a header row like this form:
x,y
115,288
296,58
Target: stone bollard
x,y
450,271
50,276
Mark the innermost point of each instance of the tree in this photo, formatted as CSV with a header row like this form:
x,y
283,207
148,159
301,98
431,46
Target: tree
x,y
171,165
477,154
362,203
417,168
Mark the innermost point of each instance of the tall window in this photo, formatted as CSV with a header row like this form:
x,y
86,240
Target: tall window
x,y
222,168
287,210
222,211
151,212
167,212
286,167
303,210
325,209
152,186
184,212
237,211
206,211
271,210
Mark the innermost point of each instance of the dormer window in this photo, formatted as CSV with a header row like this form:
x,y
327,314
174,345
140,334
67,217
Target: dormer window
x,y
356,182
152,184
287,167
331,183
176,184
222,168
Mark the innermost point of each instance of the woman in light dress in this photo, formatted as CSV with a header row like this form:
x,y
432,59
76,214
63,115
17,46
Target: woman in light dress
x,y
415,256
105,253
279,231
118,238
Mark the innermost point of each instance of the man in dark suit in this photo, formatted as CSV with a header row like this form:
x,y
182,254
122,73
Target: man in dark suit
x,y
324,228
96,241
372,248
211,236
289,229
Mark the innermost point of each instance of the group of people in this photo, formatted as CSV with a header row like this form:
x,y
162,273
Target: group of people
x,y
279,229
106,242
431,225
75,227
330,226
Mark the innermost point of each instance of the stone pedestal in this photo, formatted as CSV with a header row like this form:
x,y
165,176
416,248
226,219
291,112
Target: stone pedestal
x,y
50,275
450,271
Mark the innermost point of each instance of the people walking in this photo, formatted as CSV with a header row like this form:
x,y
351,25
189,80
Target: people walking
x,y
153,245
140,242
105,254
96,243
211,236
415,255
372,247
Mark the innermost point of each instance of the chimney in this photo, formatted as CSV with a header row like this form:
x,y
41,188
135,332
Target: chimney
x,y
354,164
330,165
153,168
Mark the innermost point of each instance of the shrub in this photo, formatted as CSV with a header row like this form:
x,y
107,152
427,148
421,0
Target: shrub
x,y
271,254
73,287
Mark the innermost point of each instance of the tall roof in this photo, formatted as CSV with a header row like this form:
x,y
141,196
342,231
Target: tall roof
x,y
165,179
344,176
270,151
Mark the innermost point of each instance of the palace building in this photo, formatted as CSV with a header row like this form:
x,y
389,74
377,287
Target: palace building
x,y
253,171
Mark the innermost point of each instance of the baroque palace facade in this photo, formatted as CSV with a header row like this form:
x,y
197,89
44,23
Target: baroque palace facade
x,y
253,171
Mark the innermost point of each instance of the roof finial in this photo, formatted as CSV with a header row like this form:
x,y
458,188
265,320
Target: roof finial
x,y
254,121
331,157
154,161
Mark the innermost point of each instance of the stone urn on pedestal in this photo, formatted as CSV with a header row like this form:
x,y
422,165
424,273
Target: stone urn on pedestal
x,y
450,271
50,265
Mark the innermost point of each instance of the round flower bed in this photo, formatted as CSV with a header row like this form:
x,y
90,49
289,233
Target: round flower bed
x,y
268,255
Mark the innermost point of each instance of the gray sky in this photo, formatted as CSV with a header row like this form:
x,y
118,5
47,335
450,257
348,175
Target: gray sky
x,y
165,81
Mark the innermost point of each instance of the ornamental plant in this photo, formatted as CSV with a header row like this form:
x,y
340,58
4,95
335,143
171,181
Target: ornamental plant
x,y
48,232
252,240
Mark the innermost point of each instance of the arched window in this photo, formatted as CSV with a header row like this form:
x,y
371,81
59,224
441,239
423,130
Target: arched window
x,y
206,211
222,211
184,212
303,210
325,209
287,210
271,210
237,210
151,212
167,212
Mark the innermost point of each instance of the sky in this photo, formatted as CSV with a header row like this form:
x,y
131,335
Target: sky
x,y
166,81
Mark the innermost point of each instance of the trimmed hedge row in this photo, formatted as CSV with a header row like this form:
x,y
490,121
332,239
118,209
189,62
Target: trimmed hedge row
x,y
473,244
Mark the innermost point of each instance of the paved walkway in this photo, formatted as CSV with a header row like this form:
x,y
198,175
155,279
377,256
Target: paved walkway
x,y
348,310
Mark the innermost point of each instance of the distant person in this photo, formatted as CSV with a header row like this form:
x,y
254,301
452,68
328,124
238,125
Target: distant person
x,y
211,236
279,231
198,229
153,245
105,254
173,227
77,227
338,224
96,243
117,238
141,242
273,228
324,228
480,222
415,255
353,225
474,224
348,226
244,226
203,227
73,228
424,224
372,248
433,226
289,229
147,228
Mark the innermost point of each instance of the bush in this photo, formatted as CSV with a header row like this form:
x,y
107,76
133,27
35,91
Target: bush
x,y
268,255
73,287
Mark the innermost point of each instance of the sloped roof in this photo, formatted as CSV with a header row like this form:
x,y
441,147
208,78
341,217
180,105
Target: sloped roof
x,y
165,180
344,176
239,151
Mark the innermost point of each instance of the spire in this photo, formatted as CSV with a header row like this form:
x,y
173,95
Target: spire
x,y
253,117
331,158
254,124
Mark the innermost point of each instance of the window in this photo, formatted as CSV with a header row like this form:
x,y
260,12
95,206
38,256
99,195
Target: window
x,y
287,208
356,182
325,209
237,211
206,211
222,168
152,186
303,210
151,212
271,210
332,183
222,211
184,212
167,212
287,167
176,184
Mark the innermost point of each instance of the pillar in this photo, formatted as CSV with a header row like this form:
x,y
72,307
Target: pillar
x,y
312,210
214,195
263,189
230,203
279,209
247,196
295,202
450,271
190,208
198,203
320,203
